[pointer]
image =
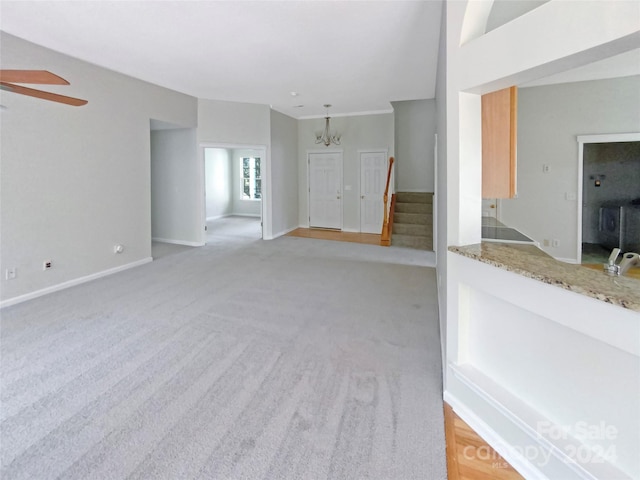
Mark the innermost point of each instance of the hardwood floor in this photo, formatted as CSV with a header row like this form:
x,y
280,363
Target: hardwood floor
x,y
469,457
340,236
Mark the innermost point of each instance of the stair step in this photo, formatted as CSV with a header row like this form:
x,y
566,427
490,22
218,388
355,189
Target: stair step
x,y
412,229
415,218
412,241
404,207
414,197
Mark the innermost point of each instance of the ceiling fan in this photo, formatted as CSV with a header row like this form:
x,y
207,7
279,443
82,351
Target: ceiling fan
x,y
8,79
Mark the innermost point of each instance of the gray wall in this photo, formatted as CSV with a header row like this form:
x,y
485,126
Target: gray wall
x,y
415,126
549,119
365,132
174,201
233,123
284,173
76,180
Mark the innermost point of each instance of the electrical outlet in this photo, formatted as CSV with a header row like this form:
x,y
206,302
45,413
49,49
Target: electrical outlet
x,y
555,242
570,196
11,273
47,264
546,168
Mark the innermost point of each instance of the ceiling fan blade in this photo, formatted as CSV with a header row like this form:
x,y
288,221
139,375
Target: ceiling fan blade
x,y
54,97
32,76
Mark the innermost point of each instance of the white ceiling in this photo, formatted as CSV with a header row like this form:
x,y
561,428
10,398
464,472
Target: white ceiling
x,y
356,55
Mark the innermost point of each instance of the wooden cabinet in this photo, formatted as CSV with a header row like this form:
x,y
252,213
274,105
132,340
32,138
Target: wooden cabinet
x,y
499,130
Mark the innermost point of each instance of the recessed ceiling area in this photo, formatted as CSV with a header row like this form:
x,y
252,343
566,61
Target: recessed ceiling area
x,y
503,11
357,56
621,65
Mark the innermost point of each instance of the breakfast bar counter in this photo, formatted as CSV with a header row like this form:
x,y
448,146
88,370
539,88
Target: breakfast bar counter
x,y
536,341
530,261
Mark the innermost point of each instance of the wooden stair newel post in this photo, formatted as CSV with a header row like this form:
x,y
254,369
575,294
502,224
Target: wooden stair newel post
x,y
385,237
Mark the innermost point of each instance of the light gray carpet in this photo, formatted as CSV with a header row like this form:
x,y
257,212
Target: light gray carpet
x,y
244,359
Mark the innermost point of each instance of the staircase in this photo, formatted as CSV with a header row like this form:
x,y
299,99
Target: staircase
x,y
413,220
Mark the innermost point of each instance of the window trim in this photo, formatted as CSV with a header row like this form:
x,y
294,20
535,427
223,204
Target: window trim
x,y
252,179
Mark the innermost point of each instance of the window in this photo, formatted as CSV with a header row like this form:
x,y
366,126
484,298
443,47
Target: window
x,y
251,182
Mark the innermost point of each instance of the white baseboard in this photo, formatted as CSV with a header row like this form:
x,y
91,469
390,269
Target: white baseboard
x,y
178,242
71,283
209,219
217,217
516,416
411,191
492,438
284,232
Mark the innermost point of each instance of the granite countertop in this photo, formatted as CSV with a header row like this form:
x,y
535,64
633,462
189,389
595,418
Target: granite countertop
x,y
530,261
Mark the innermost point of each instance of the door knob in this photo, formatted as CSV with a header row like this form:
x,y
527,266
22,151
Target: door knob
x,y
338,197
362,197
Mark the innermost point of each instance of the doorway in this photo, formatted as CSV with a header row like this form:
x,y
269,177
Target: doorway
x,y
373,170
235,186
325,190
608,172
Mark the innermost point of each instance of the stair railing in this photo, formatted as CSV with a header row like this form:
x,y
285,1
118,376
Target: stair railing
x,y
387,220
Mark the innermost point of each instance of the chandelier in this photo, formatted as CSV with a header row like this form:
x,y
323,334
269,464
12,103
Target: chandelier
x,y
326,136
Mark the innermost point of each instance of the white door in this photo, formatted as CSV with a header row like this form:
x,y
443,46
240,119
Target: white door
x,y
373,179
325,190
